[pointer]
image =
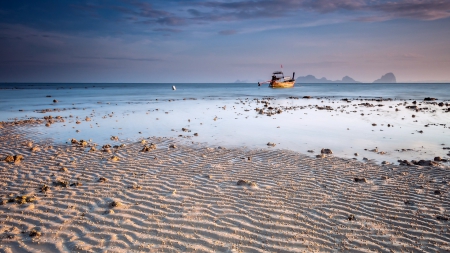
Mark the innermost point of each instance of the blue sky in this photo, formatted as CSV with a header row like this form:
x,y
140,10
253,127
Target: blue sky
x,y
222,41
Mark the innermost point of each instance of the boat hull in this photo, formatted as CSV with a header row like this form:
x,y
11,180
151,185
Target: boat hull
x,y
275,84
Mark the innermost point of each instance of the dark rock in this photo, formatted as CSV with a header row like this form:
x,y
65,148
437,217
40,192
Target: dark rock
x,y
76,184
409,203
439,217
102,180
115,204
351,217
62,183
437,192
34,233
326,151
425,163
45,188
360,180
429,99
437,159
246,182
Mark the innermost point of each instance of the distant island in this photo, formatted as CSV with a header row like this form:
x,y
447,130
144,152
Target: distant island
x,y
388,78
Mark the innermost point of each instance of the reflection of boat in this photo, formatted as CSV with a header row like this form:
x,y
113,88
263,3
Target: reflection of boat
x,y
280,81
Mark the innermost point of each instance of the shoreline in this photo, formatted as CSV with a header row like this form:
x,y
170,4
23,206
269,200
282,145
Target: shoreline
x,y
188,199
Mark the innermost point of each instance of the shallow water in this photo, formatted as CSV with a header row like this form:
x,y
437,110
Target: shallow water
x,y
133,111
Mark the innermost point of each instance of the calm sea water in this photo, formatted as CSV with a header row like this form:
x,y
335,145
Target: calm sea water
x,y
133,111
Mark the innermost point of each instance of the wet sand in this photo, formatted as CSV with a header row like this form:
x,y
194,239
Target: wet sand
x,y
181,196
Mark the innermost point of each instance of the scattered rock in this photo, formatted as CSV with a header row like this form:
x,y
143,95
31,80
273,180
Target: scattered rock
x,y
115,158
93,149
23,199
13,159
55,101
115,204
149,148
385,163
409,203
63,169
321,156
271,144
437,159
76,184
384,177
172,146
360,180
246,183
351,217
102,180
35,149
114,138
195,134
311,151
326,151
429,99
34,233
437,192
62,183
442,218
356,154
45,188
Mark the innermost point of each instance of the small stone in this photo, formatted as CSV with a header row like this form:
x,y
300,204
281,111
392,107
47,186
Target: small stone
x,y
351,217
102,180
439,217
437,159
409,203
172,146
63,169
62,183
45,188
115,158
360,180
114,138
326,151
385,163
115,204
356,154
271,144
384,177
437,192
34,233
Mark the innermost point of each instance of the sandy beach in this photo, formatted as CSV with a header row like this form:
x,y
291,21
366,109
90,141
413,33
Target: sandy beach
x,y
176,196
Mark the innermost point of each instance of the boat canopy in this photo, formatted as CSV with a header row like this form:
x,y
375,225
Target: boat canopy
x,y
278,73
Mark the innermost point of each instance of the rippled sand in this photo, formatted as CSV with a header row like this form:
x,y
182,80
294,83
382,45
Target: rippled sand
x,y
186,199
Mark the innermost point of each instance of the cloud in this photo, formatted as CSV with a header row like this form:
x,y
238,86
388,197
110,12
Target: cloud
x,y
227,32
117,58
169,30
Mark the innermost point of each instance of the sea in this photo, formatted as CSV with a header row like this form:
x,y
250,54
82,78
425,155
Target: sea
x,y
226,115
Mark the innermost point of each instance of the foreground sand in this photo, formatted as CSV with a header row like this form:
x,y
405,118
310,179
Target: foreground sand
x,y
186,199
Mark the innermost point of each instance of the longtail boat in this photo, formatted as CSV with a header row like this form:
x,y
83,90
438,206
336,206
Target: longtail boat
x,y
280,81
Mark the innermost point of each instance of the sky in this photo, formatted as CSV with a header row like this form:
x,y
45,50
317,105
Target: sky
x,y
187,41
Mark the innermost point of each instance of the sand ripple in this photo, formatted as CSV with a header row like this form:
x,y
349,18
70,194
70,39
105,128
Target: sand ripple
x,y
186,199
